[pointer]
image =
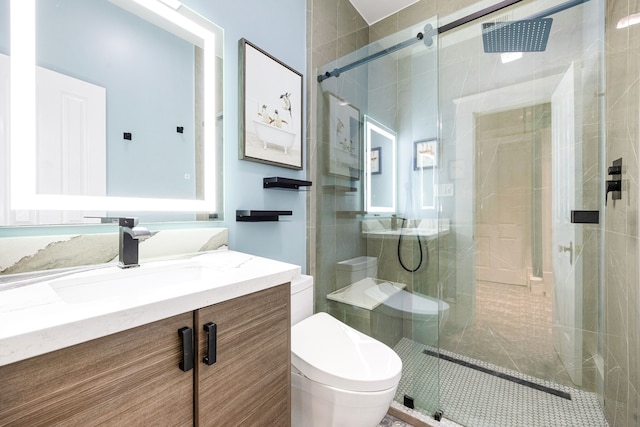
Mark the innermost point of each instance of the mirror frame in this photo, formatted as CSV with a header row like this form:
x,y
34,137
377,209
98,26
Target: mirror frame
x,y
168,14
370,127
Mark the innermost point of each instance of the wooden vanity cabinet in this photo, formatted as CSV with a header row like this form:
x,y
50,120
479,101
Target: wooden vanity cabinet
x,y
132,378
249,384
128,378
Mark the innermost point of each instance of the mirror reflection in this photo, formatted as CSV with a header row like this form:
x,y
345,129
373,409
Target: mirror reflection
x,y
123,91
425,160
118,93
380,167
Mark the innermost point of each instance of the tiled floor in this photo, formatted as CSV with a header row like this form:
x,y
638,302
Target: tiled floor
x,y
514,338
512,329
477,399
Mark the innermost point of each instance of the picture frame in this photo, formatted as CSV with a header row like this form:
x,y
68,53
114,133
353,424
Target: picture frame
x,y
270,109
425,153
345,138
376,161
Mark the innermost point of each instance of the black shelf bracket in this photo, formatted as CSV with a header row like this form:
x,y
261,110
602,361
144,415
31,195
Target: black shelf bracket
x,y
259,216
288,183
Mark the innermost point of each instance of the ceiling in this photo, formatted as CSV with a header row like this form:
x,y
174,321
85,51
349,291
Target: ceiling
x,y
376,10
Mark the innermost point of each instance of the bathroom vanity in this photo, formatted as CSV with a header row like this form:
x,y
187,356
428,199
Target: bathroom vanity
x,y
126,359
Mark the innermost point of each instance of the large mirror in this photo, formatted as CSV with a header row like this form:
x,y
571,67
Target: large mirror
x,y
380,167
117,108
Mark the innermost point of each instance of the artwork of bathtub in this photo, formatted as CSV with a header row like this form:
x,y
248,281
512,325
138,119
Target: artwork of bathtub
x,y
270,134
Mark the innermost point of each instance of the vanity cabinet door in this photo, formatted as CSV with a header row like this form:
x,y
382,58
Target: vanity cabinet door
x,y
129,378
249,383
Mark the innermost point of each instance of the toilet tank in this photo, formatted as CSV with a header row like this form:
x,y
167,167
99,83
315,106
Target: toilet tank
x,y
354,269
301,298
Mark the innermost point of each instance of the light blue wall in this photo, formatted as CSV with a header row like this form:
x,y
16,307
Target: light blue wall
x,y
279,28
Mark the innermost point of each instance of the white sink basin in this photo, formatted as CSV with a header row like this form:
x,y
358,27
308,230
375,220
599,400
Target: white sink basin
x,y
114,282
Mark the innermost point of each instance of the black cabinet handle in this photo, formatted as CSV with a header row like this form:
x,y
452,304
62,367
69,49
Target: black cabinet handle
x,y
212,337
186,335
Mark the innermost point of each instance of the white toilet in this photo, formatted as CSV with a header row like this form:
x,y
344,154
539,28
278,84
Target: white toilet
x,y
358,287
340,377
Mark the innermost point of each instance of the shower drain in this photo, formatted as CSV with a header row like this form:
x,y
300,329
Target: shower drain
x,y
501,375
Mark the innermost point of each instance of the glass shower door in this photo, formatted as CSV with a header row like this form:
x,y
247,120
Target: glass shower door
x,y
521,135
378,223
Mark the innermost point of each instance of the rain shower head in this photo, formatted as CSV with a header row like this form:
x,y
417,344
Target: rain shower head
x,y
529,35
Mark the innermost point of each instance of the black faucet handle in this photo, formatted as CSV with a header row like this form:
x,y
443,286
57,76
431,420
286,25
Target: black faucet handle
x,y
128,222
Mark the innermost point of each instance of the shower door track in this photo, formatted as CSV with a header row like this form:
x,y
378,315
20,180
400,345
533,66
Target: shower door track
x,y
429,32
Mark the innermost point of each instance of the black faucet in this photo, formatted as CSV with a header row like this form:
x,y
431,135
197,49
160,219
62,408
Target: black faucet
x,y
130,236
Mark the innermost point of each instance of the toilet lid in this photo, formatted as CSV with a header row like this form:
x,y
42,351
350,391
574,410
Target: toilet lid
x,y
327,351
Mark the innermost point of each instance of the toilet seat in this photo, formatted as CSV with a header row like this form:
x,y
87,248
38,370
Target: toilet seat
x,y
329,352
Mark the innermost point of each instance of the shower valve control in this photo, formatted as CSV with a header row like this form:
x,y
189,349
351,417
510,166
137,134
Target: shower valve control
x,y
614,186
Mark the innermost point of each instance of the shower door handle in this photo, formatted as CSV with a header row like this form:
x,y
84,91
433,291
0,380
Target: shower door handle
x,y
569,249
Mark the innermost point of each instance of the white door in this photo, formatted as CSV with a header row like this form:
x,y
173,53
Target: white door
x,y
566,240
503,206
71,141
71,144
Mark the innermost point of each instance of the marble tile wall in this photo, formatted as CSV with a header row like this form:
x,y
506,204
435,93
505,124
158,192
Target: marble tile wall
x,y
27,254
621,289
334,29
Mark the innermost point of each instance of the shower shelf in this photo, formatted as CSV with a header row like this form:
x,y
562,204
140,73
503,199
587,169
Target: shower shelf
x,y
287,183
259,216
340,188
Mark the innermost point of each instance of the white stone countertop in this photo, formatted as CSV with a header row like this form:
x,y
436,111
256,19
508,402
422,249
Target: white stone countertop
x,y
53,314
429,228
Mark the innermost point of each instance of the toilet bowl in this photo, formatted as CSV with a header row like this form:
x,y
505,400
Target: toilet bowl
x,y
426,316
339,376
358,287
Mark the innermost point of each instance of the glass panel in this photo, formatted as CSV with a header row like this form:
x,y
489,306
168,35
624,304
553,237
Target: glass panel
x,y
378,254
521,141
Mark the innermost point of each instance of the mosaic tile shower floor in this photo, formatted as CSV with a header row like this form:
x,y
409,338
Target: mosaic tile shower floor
x,y
485,400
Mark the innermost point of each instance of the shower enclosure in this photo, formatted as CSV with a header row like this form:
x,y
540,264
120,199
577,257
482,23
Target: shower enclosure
x,y
459,190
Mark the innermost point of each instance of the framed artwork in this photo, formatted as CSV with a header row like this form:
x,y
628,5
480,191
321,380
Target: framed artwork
x,y
376,165
345,135
271,109
425,154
